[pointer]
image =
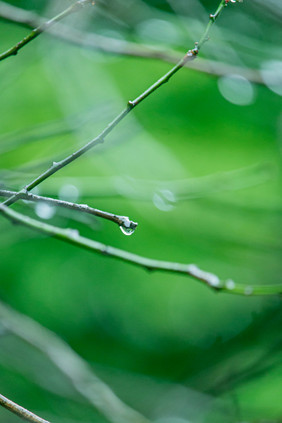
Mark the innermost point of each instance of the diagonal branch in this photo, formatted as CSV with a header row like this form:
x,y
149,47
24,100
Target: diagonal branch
x,y
70,364
190,55
72,236
23,413
121,47
43,27
123,221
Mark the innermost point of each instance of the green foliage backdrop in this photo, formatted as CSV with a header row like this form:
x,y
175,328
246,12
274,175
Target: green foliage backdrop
x,y
167,345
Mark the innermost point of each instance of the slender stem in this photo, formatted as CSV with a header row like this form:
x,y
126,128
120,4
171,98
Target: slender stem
x,y
122,221
59,165
72,236
190,55
77,371
121,47
37,31
213,18
20,411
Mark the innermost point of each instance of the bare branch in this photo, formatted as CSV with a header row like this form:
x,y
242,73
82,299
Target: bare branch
x,y
123,221
121,47
72,236
23,413
43,27
190,55
77,371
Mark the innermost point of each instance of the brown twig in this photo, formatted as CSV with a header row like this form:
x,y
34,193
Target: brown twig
x,y
21,412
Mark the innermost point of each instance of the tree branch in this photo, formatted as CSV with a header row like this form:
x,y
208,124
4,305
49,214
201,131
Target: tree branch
x,y
77,371
190,55
115,46
123,221
72,236
23,413
43,27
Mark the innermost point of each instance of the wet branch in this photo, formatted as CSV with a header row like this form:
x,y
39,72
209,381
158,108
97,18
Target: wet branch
x,y
123,221
72,236
21,412
43,27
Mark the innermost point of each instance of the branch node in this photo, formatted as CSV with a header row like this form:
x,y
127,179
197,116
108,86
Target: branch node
x,y
131,104
195,50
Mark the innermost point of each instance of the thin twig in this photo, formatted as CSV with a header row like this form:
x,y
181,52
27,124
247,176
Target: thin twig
x,y
190,55
21,412
37,31
78,372
121,47
122,221
72,236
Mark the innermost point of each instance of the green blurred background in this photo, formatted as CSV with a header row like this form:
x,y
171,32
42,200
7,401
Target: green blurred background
x,y
168,346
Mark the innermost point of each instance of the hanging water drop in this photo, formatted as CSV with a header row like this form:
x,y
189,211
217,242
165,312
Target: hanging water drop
x,y
127,226
126,231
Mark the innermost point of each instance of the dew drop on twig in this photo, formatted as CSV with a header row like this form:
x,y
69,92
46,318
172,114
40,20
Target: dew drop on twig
x,y
126,231
127,227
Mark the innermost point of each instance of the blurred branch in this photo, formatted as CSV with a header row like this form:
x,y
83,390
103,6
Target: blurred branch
x,y
43,27
120,47
190,55
123,221
143,190
72,236
77,371
20,411
272,7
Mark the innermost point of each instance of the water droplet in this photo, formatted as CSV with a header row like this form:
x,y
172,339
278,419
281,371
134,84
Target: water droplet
x,y
164,200
44,210
236,89
126,231
69,192
230,284
127,227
